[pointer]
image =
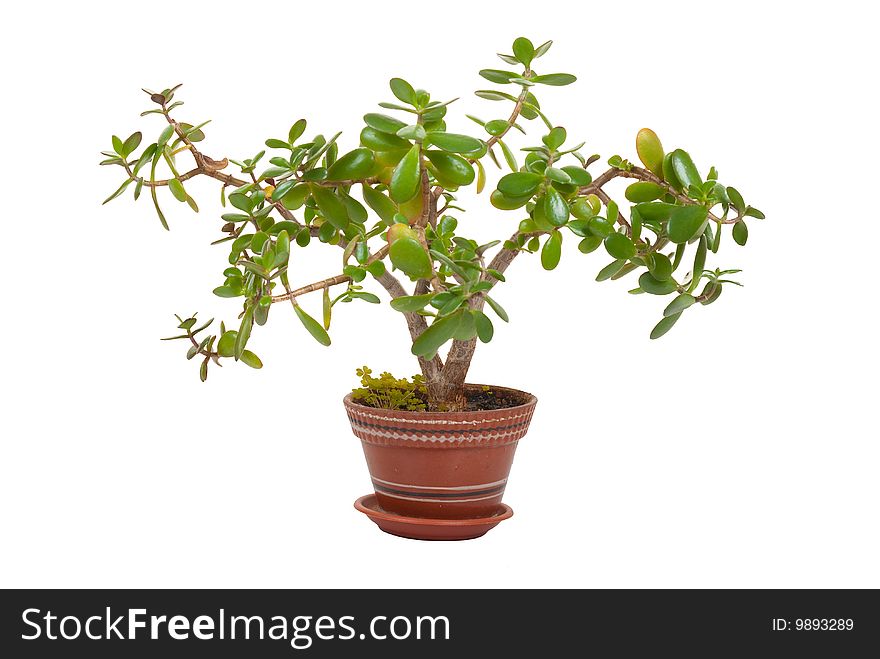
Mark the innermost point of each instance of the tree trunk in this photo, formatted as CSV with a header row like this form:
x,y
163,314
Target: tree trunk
x,y
447,393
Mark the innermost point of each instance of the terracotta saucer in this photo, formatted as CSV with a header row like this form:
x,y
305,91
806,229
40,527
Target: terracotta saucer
x,y
422,528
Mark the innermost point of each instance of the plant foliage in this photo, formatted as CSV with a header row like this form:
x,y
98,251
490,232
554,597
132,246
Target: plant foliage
x,y
389,202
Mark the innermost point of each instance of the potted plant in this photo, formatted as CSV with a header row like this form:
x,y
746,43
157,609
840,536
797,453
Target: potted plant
x,y
439,450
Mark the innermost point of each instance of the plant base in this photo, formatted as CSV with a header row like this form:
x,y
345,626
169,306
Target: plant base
x,y
423,528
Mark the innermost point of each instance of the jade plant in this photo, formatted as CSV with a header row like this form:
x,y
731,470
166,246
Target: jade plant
x,y
389,205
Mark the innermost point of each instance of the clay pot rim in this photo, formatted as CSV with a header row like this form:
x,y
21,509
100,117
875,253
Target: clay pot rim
x,y
361,506
531,401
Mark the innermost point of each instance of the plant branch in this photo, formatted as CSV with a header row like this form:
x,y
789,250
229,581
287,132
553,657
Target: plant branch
x,y
517,108
642,174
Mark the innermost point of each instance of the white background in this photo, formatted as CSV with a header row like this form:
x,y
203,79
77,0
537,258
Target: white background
x,y
740,450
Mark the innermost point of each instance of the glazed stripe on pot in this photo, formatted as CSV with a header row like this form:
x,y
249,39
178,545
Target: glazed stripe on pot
x,y
440,488
490,431
459,494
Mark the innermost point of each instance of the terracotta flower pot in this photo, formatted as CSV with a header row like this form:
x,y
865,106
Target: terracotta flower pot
x,y
441,465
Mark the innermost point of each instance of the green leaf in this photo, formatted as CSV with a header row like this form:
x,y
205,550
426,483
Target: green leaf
x,y
740,233
485,330
555,138
354,208
402,90
366,297
655,212
194,133
454,142
408,255
296,131
498,76
481,176
599,226
226,344
754,212
555,207
736,199
381,205
244,332
496,127
508,155
131,144
519,184
554,79
612,211
313,326
118,192
354,165
583,209
679,304
664,325
497,308
660,266
451,304
145,156
410,303
558,175
226,291
684,169
578,175
241,201
650,150
282,189
413,132
714,291
251,359
685,222
331,206
164,136
376,268
654,286
699,261
406,177
439,332
619,246
679,253
466,328
258,241
502,202
177,190
274,143
494,95
669,174
383,123
644,191
326,307
153,194
295,197
552,251
524,51
589,244
379,141
543,48
452,168
610,270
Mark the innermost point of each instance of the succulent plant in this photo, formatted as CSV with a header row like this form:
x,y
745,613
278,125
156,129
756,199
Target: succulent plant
x,y
390,205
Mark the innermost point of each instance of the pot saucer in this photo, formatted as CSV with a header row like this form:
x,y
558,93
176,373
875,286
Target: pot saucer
x,y
423,528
